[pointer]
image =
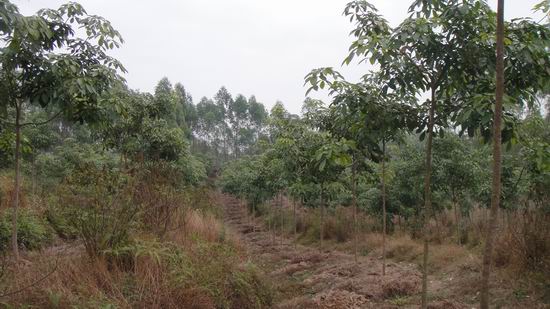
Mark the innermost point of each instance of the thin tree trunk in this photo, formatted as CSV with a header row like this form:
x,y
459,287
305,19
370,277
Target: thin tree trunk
x,y
17,188
354,203
282,217
295,223
497,160
33,163
427,199
253,217
272,221
383,207
457,222
322,223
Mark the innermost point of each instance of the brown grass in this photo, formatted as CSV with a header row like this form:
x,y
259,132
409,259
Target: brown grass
x,y
198,266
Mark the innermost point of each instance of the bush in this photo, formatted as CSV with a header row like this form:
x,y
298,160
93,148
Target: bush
x,y
33,232
99,203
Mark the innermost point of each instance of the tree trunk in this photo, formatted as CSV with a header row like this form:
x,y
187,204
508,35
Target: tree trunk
x,y
383,207
427,199
457,221
272,221
354,203
282,217
33,163
16,191
253,217
497,160
322,223
295,223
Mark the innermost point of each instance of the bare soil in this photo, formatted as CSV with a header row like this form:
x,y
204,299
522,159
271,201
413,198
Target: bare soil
x,y
306,277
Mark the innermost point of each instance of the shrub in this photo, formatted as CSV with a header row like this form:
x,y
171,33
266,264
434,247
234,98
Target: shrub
x,y
33,232
99,203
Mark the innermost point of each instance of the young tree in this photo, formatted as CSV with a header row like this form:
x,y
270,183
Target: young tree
x,y
444,49
326,164
370,117
46,63
497,159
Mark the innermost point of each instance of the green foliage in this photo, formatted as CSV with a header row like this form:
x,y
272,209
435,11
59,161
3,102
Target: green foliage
x,y
47,62
59,218
99,205
34,232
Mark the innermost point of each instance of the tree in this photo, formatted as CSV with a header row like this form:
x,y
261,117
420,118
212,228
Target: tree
x,y
326,164
455,173
444,49
258,116
184,99
46,63
239,111
366,114
224,101
497,159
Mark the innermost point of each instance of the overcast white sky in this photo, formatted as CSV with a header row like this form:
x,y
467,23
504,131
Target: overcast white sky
x,y
255,47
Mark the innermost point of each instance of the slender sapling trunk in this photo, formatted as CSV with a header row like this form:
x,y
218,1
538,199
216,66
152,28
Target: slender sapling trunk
x,y
16,191
427,198
497,160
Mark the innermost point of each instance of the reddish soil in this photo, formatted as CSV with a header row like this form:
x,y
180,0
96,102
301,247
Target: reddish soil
x,y
306,277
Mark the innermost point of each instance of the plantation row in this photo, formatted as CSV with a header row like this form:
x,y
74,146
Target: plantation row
x,y
410,140
109,197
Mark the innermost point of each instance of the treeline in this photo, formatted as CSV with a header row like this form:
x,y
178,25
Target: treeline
x,y
408,141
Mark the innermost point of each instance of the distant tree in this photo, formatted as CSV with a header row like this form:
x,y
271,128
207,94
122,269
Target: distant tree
x,y
239,111
258,116
224,101
184,99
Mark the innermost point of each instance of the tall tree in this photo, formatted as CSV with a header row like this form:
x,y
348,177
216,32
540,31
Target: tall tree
x,y
239,111
497,159
224,101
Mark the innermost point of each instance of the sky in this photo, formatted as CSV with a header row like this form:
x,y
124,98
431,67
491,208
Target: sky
x,y
252,47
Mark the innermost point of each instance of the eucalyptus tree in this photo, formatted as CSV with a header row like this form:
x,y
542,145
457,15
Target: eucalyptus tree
x,y
224,101
184,100
258,116
46,62
239,118
210,117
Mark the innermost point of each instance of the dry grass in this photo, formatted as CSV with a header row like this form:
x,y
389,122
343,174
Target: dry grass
x,y
196,266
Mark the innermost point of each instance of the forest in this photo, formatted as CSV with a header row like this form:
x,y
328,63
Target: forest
x,y
424,184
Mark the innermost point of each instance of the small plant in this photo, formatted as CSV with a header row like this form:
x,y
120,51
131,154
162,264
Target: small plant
x,y
399,301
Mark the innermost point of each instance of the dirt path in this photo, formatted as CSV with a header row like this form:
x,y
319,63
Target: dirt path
x,y
304,277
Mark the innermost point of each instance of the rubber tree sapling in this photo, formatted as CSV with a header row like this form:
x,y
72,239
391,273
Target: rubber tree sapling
x,y
45,62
